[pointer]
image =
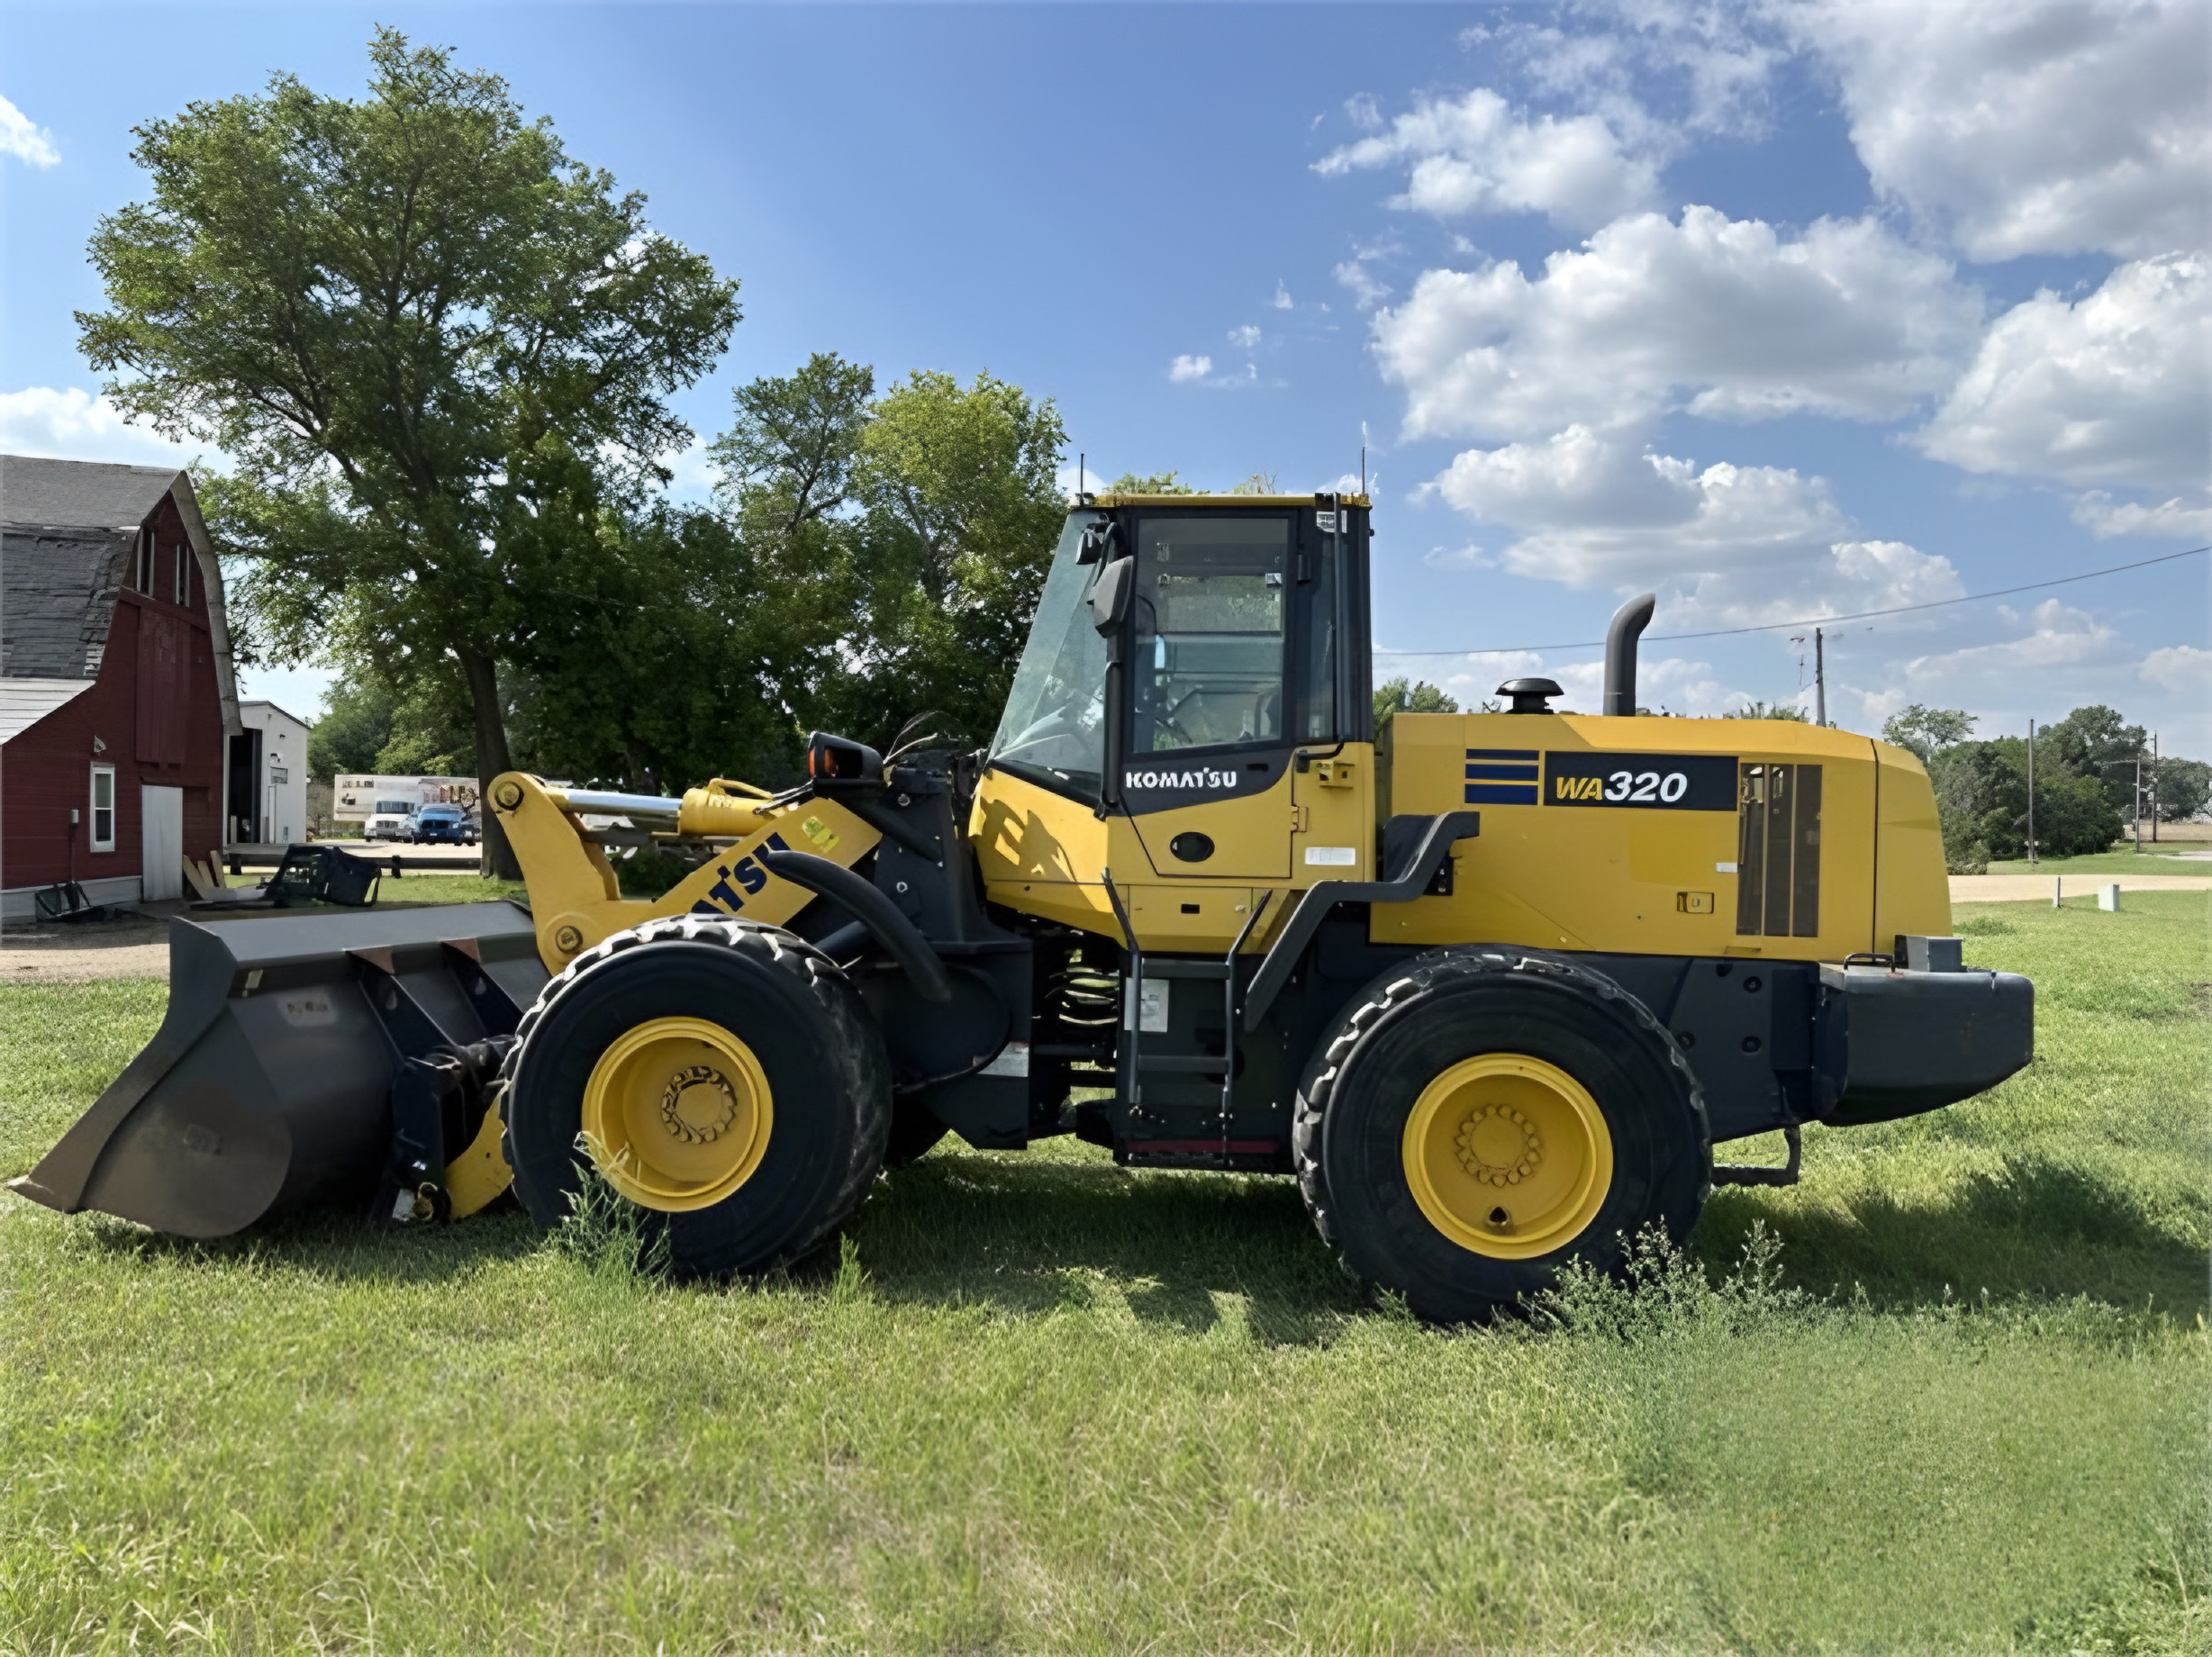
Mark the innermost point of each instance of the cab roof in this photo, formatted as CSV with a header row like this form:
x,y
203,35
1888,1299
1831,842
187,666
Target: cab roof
x,y
1181,501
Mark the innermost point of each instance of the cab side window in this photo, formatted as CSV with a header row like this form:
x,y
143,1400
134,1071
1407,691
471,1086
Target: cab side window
x,y
1207,670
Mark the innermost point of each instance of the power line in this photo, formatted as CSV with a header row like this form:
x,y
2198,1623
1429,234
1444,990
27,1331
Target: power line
x,y
1861,615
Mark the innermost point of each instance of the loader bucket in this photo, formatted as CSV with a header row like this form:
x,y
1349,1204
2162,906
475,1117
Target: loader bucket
x,y
289,1043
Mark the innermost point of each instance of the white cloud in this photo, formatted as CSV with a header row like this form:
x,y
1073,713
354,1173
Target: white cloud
x,y
1876,706
1711,61
2061,637
692,471
1671,682
1367,293
2097,513
75,425
1088,474
2179,669
2111,390
1281,301
23,139
1198,370
1246,337
1476,154
2028,126
1723,317
1730,545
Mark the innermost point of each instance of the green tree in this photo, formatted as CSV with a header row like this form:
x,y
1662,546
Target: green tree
x,y
1395,696
1981,796
918,524
1149,482
437,347
368,727
1927,732
351,731
2184,788
686,650
1765,710
2096,742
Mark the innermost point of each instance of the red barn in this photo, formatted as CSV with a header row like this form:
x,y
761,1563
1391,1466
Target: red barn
x,y
116,694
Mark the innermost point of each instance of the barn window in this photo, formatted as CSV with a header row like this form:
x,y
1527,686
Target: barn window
x,y
183,573
104,808
145,583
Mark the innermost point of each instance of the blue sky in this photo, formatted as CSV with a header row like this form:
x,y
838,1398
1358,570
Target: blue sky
x,y
1786,310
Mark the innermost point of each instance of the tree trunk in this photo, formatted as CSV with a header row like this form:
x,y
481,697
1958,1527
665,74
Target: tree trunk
x,y
482,675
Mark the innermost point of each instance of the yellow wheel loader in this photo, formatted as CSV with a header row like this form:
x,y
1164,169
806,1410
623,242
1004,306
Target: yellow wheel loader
x,y
1489,985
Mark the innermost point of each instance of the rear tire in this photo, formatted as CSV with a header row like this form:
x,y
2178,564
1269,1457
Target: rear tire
x,y
778,1010
1478,1119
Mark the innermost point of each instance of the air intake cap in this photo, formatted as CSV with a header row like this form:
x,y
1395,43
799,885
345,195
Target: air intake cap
x,y
1529,695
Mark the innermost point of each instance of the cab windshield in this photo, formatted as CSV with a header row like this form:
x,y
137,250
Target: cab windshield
x,y
1053,731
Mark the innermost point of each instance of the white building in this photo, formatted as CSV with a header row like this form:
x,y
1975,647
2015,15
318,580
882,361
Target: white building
x,y
268,777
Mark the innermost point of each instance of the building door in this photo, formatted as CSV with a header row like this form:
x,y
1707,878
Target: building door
x,y
161,819
242,806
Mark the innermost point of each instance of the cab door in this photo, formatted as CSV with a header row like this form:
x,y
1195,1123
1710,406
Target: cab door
x,y
1207,778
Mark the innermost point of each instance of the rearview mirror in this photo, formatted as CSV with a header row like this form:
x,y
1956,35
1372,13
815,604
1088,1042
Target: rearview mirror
x,y
1112,594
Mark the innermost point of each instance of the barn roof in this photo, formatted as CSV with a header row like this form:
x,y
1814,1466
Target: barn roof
x,y
61,595
65,535
80,494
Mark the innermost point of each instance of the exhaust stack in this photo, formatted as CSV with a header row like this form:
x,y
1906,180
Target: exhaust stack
x,y
1628,621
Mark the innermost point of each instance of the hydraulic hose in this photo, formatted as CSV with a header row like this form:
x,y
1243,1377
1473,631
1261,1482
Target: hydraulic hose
x,y
859,898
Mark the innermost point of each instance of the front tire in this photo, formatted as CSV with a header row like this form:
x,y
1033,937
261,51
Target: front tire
x,y
1478,1119
724,1076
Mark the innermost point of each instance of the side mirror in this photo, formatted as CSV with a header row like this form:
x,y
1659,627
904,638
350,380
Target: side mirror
x,y
1112,594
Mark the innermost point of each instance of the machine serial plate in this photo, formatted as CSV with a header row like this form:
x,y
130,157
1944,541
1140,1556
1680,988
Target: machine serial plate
x,y
1647,782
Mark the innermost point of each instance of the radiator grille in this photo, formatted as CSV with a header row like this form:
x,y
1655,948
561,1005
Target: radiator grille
x,y
1778,854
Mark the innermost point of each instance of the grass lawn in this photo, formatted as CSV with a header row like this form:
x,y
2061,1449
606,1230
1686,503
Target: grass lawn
x,y
467,887
2164,858
1042,1403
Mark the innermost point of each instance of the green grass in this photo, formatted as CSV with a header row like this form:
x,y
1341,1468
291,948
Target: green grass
x,y
1044,1404
415,887
2162,859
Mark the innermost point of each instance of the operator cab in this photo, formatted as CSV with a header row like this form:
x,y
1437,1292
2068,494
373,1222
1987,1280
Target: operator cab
x,y
1186,646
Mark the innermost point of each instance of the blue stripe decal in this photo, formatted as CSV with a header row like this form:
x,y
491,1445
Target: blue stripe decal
x,y
1501,794
1501,773
1502,753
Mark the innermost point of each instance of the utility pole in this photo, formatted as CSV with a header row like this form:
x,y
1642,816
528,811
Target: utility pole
x,y
1820,682
2031,794
2139,802
2154,788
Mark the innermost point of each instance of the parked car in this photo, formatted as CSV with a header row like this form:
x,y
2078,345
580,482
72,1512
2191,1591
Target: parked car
x,y
392,820
444,825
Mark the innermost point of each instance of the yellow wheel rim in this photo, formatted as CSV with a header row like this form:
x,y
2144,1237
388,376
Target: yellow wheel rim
x,y
1507,1157
677,1114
